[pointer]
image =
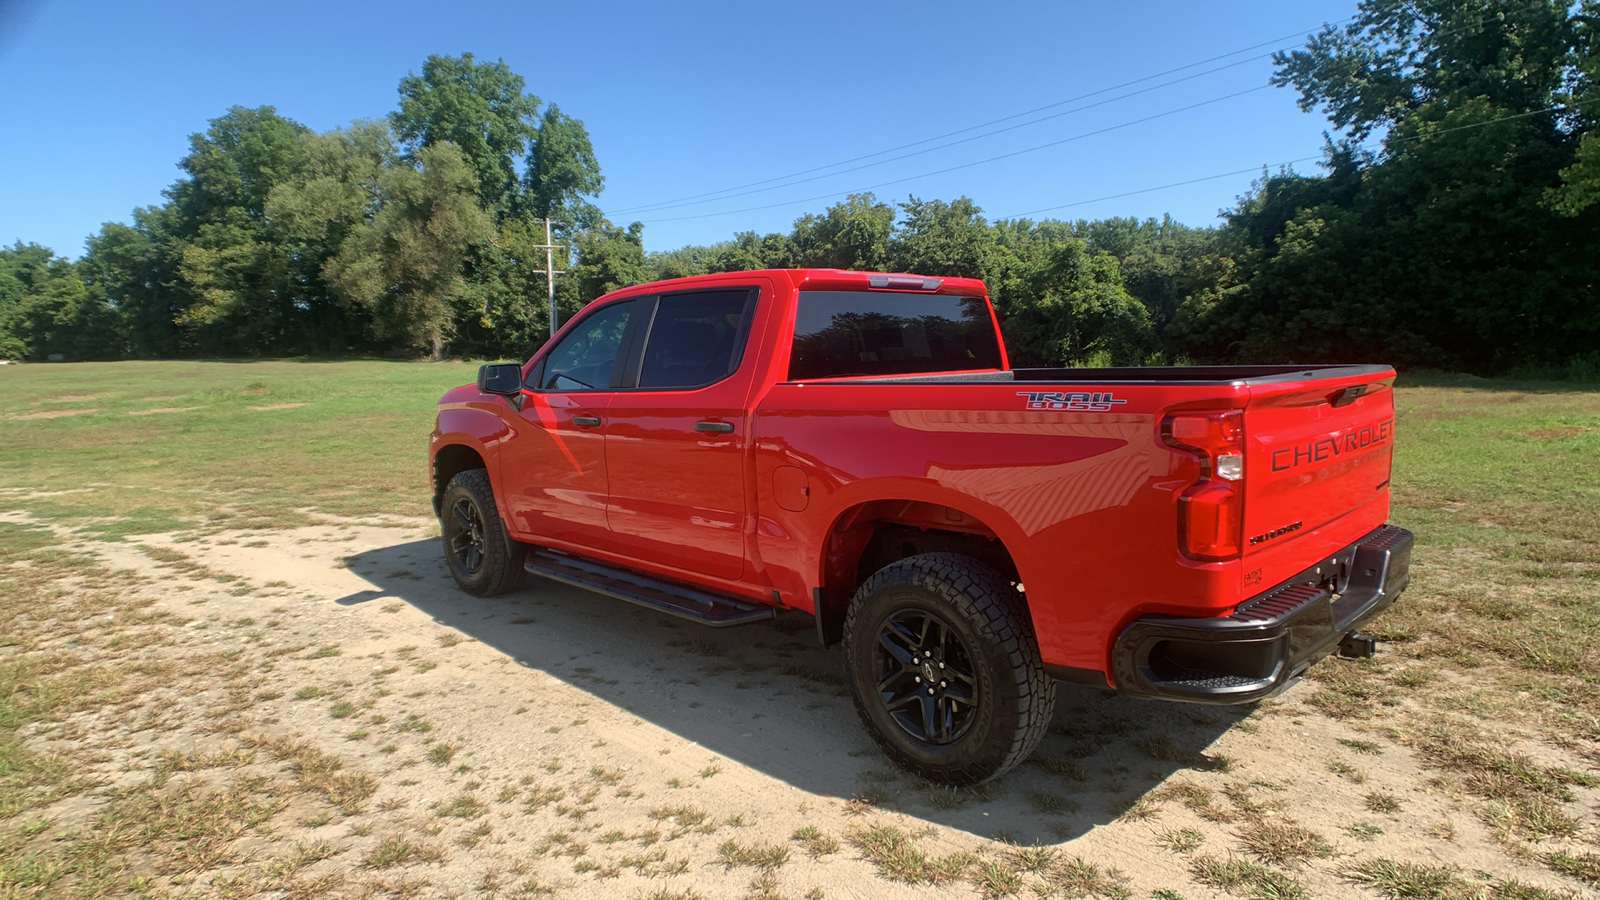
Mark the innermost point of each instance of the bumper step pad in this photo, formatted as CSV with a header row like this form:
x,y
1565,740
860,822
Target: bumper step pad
x,y
1269,640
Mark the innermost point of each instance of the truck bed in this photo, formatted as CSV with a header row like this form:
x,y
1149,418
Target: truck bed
x,y
1127,375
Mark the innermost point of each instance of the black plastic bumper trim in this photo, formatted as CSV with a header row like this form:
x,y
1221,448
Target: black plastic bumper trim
x,y
1074,675
1270,639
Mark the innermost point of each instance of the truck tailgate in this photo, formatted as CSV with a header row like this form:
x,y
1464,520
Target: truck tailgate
x,y
1317,461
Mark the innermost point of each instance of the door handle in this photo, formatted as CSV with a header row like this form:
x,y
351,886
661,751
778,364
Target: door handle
x,y
714,427
586,421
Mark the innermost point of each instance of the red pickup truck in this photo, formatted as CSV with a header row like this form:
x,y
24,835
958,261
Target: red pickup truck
x,y
855,445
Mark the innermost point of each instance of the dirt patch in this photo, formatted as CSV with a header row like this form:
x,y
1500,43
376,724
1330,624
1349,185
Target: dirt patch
x,y
54,414
1552,434
277,406
556,742
162,409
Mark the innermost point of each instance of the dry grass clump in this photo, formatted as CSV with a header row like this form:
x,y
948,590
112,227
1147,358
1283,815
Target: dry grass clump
x,y
1283,843
1246,879
1411,881
898,857
1524,799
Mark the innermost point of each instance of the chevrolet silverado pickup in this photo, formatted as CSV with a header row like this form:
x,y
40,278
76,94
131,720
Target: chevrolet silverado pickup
x,y
856,446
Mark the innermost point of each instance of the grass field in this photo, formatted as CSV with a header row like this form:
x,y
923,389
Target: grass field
x,y
145,447
135,758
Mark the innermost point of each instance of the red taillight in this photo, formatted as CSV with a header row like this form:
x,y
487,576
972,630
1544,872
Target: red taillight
x,y
1210,511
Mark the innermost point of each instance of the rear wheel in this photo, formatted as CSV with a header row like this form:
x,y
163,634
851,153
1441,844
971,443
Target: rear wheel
x,y
945,670
482,557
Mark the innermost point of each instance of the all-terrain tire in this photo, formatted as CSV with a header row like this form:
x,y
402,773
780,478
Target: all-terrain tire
x,y
977,700
482,557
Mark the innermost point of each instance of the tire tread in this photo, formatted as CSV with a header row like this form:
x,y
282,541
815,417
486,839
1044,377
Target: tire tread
x,y
996,609
502,558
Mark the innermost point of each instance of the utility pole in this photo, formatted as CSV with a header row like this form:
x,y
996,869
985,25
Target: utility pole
x,y
550,272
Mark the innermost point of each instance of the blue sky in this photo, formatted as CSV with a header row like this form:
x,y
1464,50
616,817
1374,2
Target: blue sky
x,y
680,99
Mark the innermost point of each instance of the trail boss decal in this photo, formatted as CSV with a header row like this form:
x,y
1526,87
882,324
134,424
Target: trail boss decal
x,y
1099,401
1352,441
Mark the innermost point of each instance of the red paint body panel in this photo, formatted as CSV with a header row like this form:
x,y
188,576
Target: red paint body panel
x,y
1084,498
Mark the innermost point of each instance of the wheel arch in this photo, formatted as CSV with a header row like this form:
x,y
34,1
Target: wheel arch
x,y
869,534
450,460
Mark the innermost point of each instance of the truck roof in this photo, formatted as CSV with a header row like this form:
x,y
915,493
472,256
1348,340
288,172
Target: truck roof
x,y
818,280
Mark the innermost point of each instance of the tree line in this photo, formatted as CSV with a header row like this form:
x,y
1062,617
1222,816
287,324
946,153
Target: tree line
x,y
1456,225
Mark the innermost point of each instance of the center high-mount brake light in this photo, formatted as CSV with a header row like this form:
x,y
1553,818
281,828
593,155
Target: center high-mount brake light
x,y
904,282
1210,511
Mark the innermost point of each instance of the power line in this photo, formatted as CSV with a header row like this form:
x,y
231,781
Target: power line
x,y
969,165
1289,162
740,190
1029,112
659,207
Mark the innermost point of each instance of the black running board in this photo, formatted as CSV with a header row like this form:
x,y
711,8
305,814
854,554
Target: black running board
x,y
716,610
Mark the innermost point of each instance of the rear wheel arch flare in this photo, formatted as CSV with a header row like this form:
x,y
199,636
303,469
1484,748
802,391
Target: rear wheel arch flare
x,y
870,535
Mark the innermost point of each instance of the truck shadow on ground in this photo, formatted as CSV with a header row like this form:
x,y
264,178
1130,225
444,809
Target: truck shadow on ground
x,y
768,697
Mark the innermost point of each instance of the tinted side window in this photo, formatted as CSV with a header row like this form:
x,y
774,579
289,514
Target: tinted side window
x,y
584,359
886,333
696,339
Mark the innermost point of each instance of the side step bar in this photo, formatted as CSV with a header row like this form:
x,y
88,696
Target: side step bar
x,y
716,610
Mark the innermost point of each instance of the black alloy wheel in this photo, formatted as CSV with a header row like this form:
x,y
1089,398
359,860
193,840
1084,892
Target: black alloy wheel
x,y
927,681
945,670
466,536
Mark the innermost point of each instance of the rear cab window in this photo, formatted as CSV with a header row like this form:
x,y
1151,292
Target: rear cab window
x,y
843,333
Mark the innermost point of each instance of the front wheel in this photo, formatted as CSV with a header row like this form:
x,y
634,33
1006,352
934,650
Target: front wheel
x,y
483,558
945,670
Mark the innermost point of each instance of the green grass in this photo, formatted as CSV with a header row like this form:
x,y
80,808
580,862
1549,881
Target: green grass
x,y
353,447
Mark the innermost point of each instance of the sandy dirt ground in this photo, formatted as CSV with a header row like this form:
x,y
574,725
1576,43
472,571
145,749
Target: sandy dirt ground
x,y
558,743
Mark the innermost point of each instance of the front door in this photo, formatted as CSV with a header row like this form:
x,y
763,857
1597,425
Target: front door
x,y
555,468
675,445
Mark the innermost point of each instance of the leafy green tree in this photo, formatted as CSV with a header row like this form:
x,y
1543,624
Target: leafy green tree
x,y
44,309
1459,245
748,251
232,277
1061,304
939,238
20,267
609,257
129,268
506,287
849,235
1395,58
234,165
528,164
311,215
1580,188
562,174
685,261
405,268
1162,262
478,107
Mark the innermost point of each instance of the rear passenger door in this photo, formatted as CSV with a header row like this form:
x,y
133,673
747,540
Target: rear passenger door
x,y
675,443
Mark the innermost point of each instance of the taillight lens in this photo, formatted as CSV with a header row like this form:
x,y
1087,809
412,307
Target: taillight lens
x,y
1210,511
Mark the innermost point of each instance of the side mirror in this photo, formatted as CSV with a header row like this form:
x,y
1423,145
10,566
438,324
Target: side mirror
x,y
500,378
